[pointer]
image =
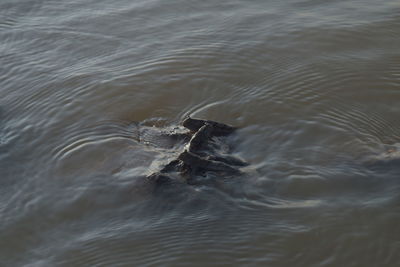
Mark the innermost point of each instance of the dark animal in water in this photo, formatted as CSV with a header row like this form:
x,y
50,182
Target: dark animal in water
x,y
206,152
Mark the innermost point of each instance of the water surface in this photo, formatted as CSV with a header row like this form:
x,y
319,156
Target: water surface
x,y
314,86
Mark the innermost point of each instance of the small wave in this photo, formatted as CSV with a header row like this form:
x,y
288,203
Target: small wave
x,y
362,122
101,131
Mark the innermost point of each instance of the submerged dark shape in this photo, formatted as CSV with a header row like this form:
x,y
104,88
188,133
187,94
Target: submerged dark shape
x,y
206,153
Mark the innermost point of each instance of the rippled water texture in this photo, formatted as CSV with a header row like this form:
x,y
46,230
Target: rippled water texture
x,y
314,86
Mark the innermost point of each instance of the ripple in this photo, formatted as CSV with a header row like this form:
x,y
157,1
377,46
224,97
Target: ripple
x,y
7,22
75,137
367,124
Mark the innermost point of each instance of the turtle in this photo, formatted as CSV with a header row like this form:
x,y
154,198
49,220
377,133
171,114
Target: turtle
x,y
205,150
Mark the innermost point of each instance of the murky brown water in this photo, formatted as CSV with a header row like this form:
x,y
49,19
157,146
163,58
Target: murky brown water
x,y
315,86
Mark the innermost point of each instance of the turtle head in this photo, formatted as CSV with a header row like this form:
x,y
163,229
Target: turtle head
x,y
192,124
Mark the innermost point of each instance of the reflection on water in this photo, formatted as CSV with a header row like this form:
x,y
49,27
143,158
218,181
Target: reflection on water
x,y
314,86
